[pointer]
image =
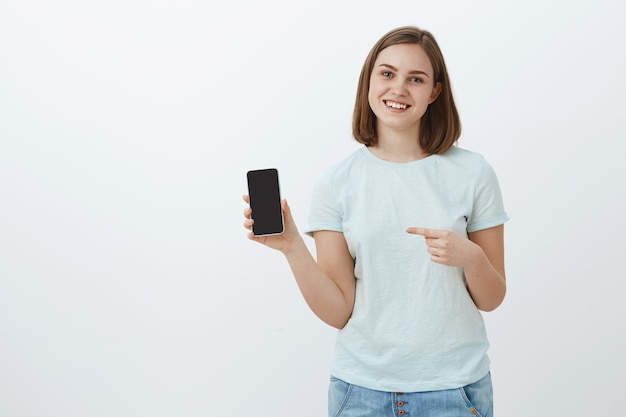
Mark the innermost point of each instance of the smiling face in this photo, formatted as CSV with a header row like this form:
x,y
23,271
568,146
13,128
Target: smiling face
x,y
401,88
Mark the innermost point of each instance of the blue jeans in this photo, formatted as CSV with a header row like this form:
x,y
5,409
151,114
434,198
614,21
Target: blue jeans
x,y
473,400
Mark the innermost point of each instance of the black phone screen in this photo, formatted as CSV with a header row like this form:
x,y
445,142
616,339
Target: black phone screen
x,y
264,193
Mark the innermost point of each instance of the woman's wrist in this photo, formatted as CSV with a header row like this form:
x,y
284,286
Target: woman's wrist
x,y
293,246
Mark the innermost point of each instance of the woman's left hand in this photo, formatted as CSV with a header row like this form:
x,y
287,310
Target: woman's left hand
x,y
448,248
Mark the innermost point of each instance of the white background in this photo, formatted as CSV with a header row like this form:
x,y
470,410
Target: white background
x,y
127,285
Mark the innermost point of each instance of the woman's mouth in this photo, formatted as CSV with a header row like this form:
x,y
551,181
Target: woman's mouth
x,y
395,105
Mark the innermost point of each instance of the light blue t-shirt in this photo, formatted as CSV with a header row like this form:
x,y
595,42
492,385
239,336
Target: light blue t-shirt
x,y
414,326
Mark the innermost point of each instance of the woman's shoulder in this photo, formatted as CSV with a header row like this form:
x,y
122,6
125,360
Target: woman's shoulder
x,y
464,163
346,165
464,157
462,154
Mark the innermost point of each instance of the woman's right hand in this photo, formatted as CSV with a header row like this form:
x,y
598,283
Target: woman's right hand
x,y
285,241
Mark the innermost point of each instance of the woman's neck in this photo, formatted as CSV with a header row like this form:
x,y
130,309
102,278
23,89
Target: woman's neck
x,y
398,147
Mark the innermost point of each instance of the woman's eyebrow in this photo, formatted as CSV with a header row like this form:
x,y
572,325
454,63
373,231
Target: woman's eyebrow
x,y
391,67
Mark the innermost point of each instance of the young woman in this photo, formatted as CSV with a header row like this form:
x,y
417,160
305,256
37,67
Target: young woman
x,y
409,240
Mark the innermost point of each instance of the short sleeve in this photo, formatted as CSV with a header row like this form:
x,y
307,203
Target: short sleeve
x,y
488,208
325,212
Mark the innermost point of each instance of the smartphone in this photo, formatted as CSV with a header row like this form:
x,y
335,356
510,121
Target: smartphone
x,y
264,193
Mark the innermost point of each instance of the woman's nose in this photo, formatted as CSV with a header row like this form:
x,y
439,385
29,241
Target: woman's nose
x,y
399,86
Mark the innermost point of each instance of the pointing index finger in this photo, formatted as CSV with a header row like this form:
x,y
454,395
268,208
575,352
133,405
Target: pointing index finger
x,y
424,232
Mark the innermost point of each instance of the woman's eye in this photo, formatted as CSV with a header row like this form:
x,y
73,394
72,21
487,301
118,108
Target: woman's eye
x,y
416,80
386,74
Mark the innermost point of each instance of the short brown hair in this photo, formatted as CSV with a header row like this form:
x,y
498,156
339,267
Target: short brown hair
x,y
441,125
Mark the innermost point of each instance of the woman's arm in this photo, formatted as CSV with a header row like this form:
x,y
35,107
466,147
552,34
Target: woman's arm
x,y
481,256
327,285
485,277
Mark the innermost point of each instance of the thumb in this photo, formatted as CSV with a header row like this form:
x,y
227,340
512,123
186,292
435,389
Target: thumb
x,y
286,209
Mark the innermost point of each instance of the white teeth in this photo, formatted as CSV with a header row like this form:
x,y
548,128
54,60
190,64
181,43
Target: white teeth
x,y
395,105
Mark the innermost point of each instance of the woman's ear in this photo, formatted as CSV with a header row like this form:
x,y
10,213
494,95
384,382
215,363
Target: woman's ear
x,y
435,93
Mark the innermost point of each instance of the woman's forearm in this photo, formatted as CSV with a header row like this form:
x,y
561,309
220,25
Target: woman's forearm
x,y
481,256
323,296
487,286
